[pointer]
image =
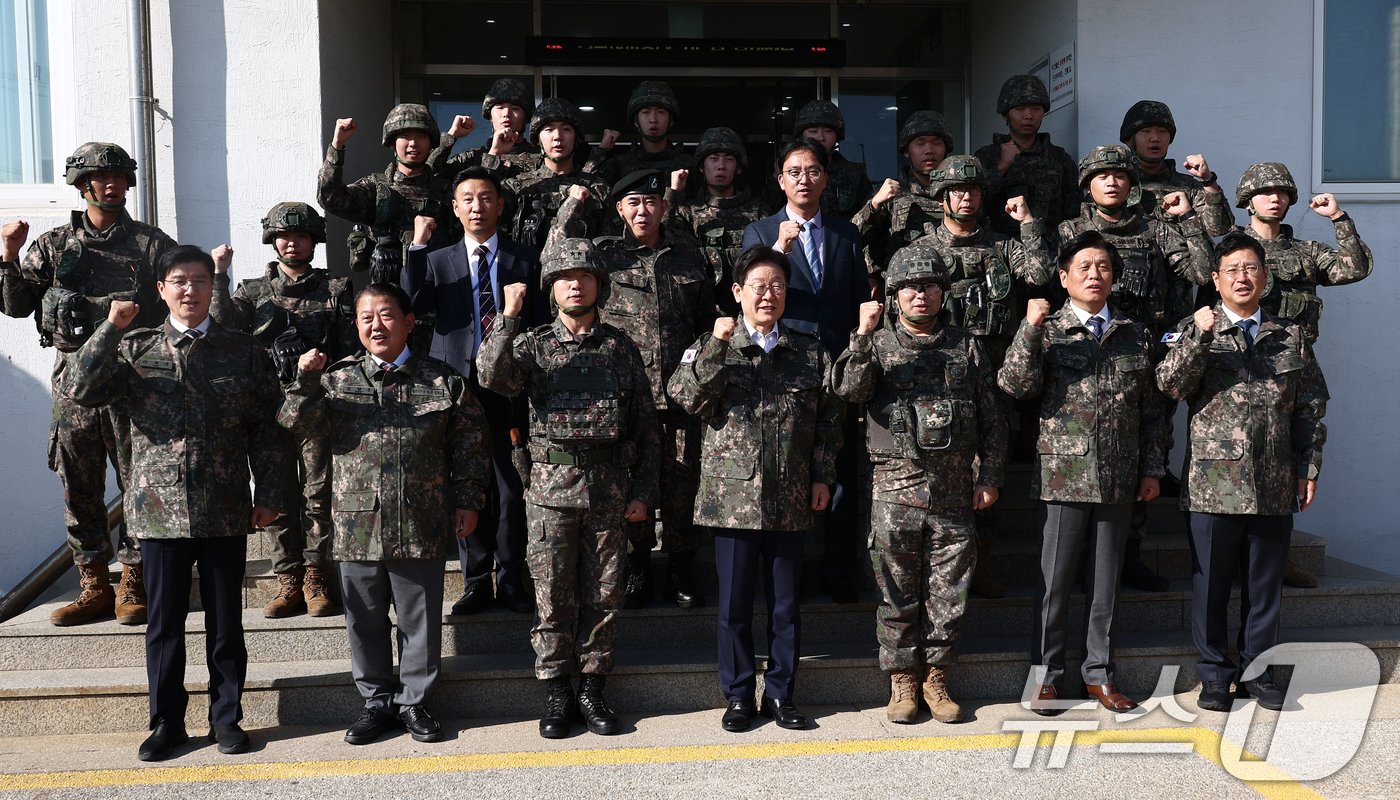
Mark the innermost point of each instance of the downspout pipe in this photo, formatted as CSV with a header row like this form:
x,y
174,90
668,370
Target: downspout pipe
x,y
143,112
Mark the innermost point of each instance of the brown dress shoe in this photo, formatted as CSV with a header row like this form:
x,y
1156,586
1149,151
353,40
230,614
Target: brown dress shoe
x,y
1109,697
131,596
95,601
1046,702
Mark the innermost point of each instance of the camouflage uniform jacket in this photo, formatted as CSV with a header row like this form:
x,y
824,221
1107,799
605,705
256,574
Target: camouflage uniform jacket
x,y
539,197
932,407
100,265
588,394
407,446
1298,267
988,271
388,202
321,307
718,224
771,427
524,157
1255,415
1215,214
848,188
909,215
659,297
1045,174
1166,260
1101,416
612,165
203,412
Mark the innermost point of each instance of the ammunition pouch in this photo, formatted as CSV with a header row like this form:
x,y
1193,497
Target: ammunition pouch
x,y
970,307
360,243
65,318
1299,305
287,349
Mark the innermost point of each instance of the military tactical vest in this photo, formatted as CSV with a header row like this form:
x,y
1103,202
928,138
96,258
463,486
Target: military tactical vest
x,y
843,189
1143,288
536,206
1289,291
585,403
396,203
979,300
923,406
86,281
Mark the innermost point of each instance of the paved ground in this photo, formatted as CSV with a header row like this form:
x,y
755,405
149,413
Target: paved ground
x,y
851,753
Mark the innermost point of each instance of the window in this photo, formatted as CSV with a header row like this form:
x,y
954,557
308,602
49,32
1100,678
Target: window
x,y
26,124
1357,92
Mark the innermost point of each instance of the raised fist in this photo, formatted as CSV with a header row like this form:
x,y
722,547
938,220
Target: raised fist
x,y
870,312
14,235
462,125
724,328
636,511
578,192
514,296
1009,151
503,141
1036,311
887,191
1197,166
344,129
122,313
312,360
423,227
609,139
1176,204
679,178
1326,205
1204,318
788,232
223,258
1017,209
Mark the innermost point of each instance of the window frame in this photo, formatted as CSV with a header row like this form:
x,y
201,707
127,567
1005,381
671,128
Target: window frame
x,y
1356,191
63,119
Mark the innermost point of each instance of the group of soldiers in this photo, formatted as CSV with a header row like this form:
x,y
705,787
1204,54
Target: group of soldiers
x,y
636,269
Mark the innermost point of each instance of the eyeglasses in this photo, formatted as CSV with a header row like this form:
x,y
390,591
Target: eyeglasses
x,y
1234,273
966,191
761,289
810,173
921,288
199,284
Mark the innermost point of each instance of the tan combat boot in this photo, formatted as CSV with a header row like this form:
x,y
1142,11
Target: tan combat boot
x,y
904,696
318,600
984,583
97,600
288,602
131,596
940,705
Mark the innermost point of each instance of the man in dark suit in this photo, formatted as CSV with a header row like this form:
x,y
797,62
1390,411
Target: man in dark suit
x,y
828,285
462,284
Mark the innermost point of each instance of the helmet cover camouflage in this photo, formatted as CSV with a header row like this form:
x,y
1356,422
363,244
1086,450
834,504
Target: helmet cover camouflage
x,y
554,109
410,117
1106,158
653,93
506,90
721,140
1144,114
1267,175
293,217
99,157
819,113
958,170
1022,90
924,123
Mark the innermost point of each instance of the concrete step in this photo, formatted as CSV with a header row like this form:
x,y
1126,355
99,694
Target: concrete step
x,y
320,692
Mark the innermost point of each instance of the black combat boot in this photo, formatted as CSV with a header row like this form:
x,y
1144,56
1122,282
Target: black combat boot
x,y
638,588
596,715
681,587
560,708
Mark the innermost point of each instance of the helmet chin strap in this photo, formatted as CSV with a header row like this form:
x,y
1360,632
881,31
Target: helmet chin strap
x,y
578,311
1112,211
293,262
411,164
92,200
919,319
959,217
1267,217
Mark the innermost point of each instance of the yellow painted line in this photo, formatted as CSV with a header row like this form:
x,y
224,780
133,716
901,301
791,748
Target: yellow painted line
x,y
1205,743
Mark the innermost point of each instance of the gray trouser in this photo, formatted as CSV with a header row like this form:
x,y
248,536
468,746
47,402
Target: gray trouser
x,y
1067,528
414,587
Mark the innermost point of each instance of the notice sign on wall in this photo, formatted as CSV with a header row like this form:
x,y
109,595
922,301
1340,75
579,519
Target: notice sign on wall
x,y
1056,69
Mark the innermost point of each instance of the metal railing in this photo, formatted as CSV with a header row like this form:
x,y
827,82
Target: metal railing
x,y
51,569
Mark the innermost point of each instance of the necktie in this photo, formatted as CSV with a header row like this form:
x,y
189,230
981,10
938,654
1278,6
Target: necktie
x,y
192,335
485,296
1095,324
1247,325
814,256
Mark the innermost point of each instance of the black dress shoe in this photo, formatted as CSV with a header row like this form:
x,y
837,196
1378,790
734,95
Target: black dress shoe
x,y
373,723
784,713
476,599
739,716
1215,696
420,724
1264,692
164,738
231,738
681,587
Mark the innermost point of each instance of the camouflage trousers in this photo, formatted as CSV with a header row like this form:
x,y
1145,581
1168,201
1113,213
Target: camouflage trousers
x,y
679,482
301,537
576,558
81,443
923,559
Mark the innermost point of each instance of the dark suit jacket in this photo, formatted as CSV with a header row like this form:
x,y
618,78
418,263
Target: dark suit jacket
x,y
441,281
833,312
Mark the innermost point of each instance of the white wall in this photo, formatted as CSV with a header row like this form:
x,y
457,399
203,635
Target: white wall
x,y
1239,82
1007,38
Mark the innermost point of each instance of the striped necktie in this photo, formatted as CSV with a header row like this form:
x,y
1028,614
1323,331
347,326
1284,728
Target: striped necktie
x,y
485,296
814,256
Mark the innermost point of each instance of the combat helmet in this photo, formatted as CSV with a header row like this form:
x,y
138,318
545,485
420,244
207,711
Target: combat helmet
x,y
653,93
1267,175
1144,114
554,109
1022,90
293,217
506,90
820,112
572,254
958,170
924,123
410,117
99,157
1108,157
915,264
722,140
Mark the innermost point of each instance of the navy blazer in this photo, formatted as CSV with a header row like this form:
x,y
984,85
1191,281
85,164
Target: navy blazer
x,y
441,281
834,312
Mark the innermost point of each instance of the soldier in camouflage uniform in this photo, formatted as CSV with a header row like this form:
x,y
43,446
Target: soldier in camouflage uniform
x,y
848,186
407,443
202,401
382,206
68,280
718,218
1099,449
659,296
772,429
508,105
932,408
1256,399
538,196
653,109
1162,263
291,308
904,209
1149,129
592,468
1024,162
